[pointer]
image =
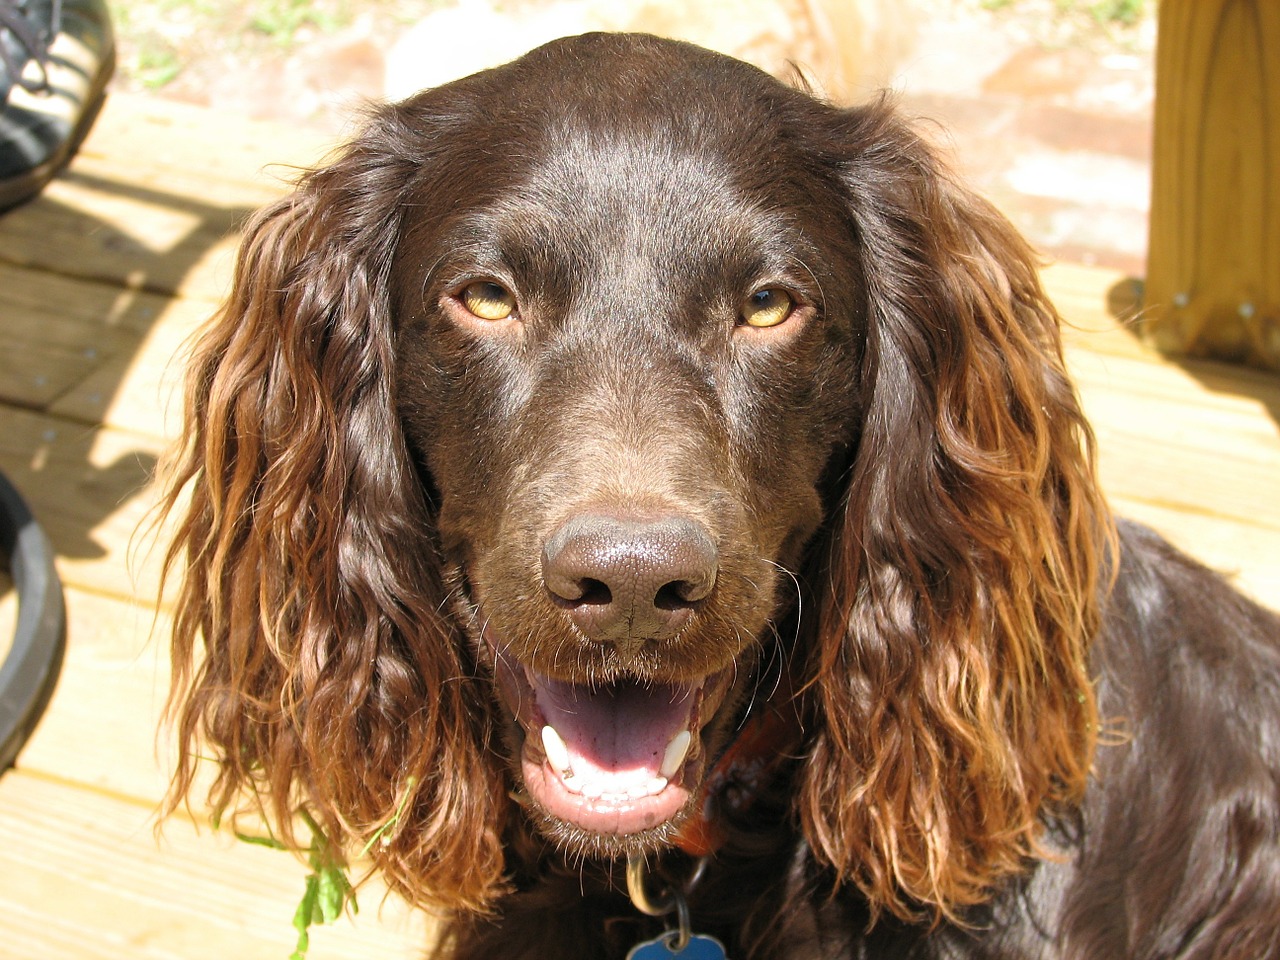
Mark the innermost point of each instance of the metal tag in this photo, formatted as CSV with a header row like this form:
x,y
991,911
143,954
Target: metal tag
x,y
698,948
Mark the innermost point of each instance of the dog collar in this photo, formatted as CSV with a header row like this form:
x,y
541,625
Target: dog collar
x,y
764,743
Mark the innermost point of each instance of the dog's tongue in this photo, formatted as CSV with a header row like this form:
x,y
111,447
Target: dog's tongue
x,y
613,747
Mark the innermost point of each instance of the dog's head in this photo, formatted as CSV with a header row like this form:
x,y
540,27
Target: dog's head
x,y
578,408
627,346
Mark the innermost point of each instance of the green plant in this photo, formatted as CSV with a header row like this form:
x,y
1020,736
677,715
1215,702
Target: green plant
x,y
1107,12
280,20
157,65
1127,12
327,891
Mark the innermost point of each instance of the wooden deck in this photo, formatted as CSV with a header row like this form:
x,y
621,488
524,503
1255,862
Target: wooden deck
x,y
100,281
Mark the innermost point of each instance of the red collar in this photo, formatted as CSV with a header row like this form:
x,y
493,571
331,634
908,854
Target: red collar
x,y
766,741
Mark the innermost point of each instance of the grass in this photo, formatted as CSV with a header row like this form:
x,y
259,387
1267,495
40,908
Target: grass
x,y
1127,12
281,21
160,40
1124,13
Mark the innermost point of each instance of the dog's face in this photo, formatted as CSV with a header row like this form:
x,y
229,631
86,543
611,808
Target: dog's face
x,y
628,339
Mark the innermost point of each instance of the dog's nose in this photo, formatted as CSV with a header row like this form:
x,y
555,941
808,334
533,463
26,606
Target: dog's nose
x,y
623,580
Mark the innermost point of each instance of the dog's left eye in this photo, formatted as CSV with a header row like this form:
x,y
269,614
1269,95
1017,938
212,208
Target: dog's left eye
x,y
767,308
488,300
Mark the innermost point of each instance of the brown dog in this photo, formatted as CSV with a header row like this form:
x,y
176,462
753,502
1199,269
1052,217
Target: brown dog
x,y
622,454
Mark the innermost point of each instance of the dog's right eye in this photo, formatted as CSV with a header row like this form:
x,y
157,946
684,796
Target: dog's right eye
x,y
488,300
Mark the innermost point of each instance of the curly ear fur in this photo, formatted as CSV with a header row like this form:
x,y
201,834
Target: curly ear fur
x,y
311,660
954,699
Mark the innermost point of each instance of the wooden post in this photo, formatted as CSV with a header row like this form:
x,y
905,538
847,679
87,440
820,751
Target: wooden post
x,y
1213,262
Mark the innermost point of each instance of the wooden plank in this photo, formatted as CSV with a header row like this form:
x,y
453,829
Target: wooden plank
x,y
1102,346
1191,447
116,668
153,197
1246,553
88,488
45,352
100,307
83,877
90,351
1179,489
1174,407
139,390
1197,435
107,229
1099,309
217,156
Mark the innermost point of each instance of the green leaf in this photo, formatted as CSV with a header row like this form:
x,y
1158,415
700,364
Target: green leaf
x,y
302,917
328,891
333,893
303,944
270,842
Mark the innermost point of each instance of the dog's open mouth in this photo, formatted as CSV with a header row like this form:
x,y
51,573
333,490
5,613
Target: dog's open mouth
x,y
613,758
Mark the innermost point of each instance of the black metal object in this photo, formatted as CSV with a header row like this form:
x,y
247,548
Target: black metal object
x,y
30,671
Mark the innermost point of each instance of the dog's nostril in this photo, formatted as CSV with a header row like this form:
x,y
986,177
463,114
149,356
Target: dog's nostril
x,y
568,588
679,594
620,578
593,592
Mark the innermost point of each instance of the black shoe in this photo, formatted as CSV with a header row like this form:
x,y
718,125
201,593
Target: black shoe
x,y
30,669
56,57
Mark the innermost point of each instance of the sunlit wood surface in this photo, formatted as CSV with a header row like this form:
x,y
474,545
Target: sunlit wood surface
x,y
101,280
1213,281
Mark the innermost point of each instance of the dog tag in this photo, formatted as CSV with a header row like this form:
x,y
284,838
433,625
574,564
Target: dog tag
x,y
698,948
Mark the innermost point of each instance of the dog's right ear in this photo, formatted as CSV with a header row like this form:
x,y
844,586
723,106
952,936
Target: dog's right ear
x,y
312,662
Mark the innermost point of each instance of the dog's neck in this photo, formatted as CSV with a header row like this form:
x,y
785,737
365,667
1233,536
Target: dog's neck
x,y
766,740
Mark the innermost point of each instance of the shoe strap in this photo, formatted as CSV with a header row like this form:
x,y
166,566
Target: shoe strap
x,y
32,41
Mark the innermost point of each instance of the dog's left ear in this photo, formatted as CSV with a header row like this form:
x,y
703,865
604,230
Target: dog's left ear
x,y
950,674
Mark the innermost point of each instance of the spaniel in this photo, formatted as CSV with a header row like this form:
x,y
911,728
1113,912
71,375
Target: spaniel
x,y
620,481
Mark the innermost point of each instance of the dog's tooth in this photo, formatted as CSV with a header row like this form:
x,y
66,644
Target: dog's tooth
x,y
657,785
557,752
594,790
675,753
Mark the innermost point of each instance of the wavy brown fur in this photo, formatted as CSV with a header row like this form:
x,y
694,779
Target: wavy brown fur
x,y
312,659
952,666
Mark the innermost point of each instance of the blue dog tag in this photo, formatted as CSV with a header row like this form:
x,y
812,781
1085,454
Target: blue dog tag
x,y
698,948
